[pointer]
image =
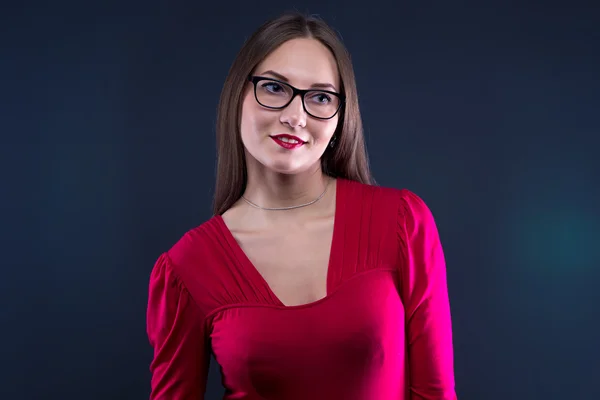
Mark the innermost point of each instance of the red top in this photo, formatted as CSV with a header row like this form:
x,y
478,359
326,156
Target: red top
x,y
382,332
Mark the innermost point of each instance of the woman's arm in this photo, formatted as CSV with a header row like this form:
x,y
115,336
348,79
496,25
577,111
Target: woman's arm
x,y
424,292
176,332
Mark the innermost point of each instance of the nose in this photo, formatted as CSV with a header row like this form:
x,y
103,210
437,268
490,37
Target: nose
x,y
294,114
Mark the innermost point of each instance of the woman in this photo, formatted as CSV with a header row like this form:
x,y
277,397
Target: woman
x,y
309,282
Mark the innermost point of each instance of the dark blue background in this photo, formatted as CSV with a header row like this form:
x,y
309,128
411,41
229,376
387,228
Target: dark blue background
x,y
488,110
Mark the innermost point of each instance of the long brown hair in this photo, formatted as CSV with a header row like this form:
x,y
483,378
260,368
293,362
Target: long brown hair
x,y
347,159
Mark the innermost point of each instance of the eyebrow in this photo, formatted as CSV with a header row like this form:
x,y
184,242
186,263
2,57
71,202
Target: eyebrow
x,y
314,85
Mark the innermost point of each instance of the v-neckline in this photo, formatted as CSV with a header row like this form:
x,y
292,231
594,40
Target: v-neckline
x,y
332,264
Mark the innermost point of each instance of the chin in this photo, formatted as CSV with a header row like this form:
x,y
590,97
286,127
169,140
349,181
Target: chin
x,y
285,168
287,164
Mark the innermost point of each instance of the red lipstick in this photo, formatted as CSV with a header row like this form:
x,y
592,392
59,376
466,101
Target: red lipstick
x,y
287,141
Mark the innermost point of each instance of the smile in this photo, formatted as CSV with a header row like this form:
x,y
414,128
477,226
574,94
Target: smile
x,y
288,141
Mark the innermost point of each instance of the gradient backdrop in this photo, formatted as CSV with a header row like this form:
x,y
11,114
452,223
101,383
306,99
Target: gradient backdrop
x,y
488,110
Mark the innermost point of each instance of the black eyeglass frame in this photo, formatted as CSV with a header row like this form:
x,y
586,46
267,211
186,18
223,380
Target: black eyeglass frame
x,y
302,92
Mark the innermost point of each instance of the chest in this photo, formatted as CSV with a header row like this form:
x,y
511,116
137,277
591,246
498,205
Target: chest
x,y
357,336
293,260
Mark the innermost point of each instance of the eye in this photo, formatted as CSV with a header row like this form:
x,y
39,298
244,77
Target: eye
x,y
321,98
272,87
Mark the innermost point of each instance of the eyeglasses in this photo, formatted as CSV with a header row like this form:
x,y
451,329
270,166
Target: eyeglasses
x,y
274,94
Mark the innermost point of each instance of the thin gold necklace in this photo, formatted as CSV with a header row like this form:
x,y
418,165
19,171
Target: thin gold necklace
x,y
289,207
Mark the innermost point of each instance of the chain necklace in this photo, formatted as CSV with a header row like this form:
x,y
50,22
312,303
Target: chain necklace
x,y
289,207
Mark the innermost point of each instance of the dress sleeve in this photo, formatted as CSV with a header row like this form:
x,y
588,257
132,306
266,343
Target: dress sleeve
x,y
176,332
424,293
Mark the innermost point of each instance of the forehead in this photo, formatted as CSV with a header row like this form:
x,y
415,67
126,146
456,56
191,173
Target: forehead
x,y
303,61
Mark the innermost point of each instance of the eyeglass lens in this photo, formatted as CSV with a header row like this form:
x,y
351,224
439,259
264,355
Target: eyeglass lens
x,y
275,94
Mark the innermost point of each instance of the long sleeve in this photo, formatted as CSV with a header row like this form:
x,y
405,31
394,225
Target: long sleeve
x,y
176,332
424,292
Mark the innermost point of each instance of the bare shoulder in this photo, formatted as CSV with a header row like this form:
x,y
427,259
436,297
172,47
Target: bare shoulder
x,y
233,216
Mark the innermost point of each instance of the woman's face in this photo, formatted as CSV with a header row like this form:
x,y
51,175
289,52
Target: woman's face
x,y
268,134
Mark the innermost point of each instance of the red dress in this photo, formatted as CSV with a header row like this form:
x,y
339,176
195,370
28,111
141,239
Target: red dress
x,y
382,332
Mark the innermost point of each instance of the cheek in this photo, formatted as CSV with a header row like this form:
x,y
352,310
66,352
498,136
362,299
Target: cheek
x,y
326,131
254,120
248,123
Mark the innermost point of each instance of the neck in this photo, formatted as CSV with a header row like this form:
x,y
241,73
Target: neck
x,y
275,190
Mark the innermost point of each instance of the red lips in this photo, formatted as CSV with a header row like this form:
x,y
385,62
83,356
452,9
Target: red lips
x,y
288,142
